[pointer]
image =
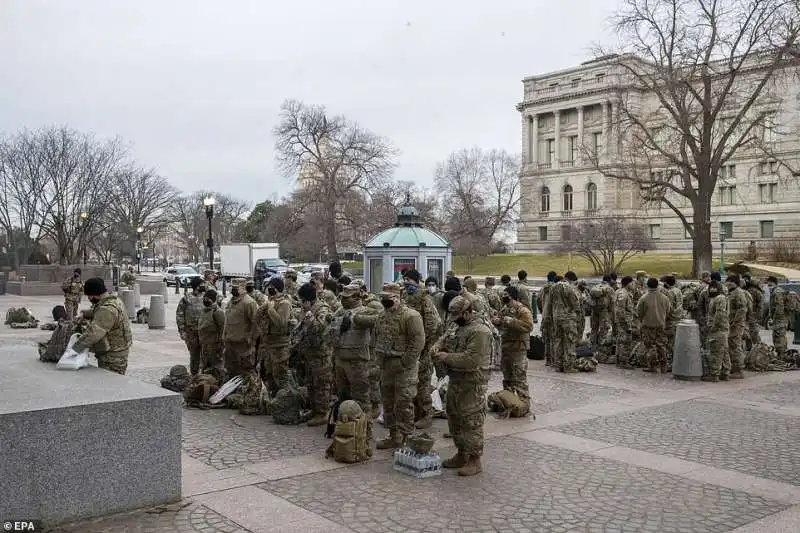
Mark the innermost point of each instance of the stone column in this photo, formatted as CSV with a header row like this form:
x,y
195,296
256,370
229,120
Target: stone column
x,y
580,135
137,295
165,292
127,298
557,116
534,140
604,140
157,318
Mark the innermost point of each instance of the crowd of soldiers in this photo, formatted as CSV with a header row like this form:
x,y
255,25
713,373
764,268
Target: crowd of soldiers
x,y
380,350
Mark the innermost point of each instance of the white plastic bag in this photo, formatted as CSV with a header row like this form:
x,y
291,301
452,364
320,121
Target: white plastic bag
x,y
437,400
226,390
72,360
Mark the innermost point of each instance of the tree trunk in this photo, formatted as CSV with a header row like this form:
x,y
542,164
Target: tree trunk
x,y
701,243
330,241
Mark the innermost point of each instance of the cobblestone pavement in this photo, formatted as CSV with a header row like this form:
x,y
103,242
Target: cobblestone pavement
x,y
186,517
745,440
526,487
781,394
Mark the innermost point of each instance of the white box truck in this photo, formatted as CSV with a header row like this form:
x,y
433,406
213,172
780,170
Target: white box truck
x,y
239,260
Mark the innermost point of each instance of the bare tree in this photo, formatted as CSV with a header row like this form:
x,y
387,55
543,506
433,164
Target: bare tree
x,y
332,157
698,76
189,221
606,243
479,197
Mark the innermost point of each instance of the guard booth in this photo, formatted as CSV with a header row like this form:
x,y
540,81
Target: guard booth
x,y
405,246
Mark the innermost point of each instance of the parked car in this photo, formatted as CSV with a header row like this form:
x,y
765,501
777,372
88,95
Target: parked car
x,y
180,275
265,269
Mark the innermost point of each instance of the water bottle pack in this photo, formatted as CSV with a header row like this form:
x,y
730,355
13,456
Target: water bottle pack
x,y
420,465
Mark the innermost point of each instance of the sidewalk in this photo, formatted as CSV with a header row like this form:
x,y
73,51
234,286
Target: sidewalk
x,y
788,273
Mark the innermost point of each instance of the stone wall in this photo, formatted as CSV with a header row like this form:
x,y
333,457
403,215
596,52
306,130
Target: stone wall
x,y
58,273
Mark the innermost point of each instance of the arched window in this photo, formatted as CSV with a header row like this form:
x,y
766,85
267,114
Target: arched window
x,y
591,197
544,204
567,197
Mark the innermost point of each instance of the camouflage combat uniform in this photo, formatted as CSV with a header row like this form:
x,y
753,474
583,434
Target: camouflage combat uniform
x,y
315,348
563,304
210,327
652,310
187,316
422,303
492,298
274,340
737,315
257,295
624,318
52,350
73,290
329,299
780,320
602,304
108,335
239,336
675,315
755,317
400,334
516,324
547,323
128,278
718,326
465,354
373,302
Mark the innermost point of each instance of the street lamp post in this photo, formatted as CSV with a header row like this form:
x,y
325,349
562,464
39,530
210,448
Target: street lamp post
x,y
84,221
208,203
139,232
722,253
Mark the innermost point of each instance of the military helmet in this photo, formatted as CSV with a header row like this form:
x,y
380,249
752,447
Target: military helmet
x,y
459,304
178,371
349,410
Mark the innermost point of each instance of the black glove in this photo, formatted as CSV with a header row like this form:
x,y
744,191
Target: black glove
x,y
346,323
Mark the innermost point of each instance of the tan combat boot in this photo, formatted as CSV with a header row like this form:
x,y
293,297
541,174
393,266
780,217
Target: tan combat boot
x,y
736,375
394,440
472,467
457,461
424,423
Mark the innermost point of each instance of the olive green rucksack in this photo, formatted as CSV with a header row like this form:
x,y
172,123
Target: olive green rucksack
x,y
350,434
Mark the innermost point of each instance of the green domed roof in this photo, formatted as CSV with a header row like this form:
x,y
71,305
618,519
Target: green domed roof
x,y
407,237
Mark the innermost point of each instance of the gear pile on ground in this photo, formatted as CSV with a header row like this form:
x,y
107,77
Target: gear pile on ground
x,y
177,380
20,318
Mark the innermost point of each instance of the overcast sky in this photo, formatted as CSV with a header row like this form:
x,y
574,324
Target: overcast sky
x,y
196,85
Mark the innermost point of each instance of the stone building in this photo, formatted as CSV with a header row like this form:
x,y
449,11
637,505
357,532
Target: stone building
x,y
571,115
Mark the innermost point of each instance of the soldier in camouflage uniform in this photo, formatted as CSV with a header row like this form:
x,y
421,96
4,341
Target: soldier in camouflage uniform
x,y
325,295
290,284
547,322
562,307
524,291
255,294
675,315
420,301
491,295
639,288
717,326
52,350
602,306
128,278
109,333
187,316
624,318
313,344
432,288
737,315
400,331
73,291
351,336
515,323
373,302
778,316
652,310
210,326
275,336
754,318
240,331
465,354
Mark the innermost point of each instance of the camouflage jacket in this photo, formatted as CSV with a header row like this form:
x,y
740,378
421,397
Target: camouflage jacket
x,y
563,302
290,288
543,295
273,321
516,324
422,303
330,300
400,333
188,312
351,332
777,305
624,310
737,308
372,301
524,293
492,298
240,321
211,325
438,298
467,358
676,305
717,321
57,344
128,278
602,299
73,289
653,308
110,329
757,295
259,297
312,332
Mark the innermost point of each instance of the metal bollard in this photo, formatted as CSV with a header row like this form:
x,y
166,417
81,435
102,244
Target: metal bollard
x,y
164,292
177,287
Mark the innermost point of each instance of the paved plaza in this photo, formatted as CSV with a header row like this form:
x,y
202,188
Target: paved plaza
x,y
613,451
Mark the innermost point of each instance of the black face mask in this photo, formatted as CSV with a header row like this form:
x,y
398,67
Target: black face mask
x,y
506,299
461,321
234,292
713,294
272,291
95,300
208,303
250,290
387,304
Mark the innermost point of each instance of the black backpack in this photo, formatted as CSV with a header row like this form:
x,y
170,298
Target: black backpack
x,y
536,350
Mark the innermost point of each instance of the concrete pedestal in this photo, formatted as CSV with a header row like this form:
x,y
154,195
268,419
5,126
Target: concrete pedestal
x,y
137,296
157,318
687,363
164,292
85,443
127,299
